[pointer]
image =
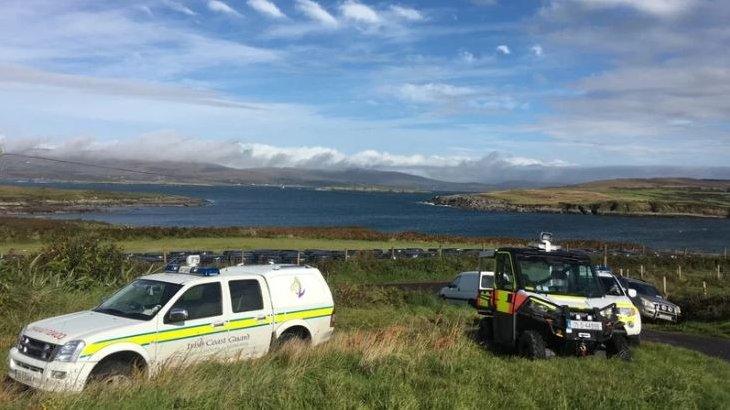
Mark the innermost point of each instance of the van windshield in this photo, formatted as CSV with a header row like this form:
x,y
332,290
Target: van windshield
x,y
141,299
556,275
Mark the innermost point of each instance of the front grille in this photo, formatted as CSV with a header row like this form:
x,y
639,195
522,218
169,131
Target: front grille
x,y
28,367
37,349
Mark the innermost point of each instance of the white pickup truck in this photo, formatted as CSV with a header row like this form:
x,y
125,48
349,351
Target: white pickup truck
x,y
185,315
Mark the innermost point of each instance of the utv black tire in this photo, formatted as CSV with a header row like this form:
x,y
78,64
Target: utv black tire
x,y
485,333
618,347
531,345
112,373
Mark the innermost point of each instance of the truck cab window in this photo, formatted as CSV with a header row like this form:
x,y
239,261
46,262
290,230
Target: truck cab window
x,y
504,278
245,295
201,301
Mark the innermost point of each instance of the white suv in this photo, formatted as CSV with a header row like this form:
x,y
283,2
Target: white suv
x,y
173,318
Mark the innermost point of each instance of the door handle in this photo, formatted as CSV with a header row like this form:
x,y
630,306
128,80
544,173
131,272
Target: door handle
x,y
260,317
218,324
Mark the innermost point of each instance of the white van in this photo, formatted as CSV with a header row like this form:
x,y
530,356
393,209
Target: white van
x,y
185,315
466,286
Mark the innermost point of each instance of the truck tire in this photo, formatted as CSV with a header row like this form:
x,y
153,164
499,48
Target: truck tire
x,y
531,345
112,373
618,347
485,333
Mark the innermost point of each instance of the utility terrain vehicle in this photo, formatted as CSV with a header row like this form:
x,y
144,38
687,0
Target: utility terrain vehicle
x,y
547,301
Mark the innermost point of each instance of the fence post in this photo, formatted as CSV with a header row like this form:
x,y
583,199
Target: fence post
x,y
392,252
664,283
627,272
243,259
605,254
299,257
164,256
347,255
679,271
704,287
641,271
621,272
719,276
441,251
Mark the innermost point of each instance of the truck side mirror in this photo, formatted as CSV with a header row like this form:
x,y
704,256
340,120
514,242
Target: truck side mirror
x,y
632,293
177,315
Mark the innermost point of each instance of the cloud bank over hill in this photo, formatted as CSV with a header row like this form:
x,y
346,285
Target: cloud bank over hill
x,y
493,168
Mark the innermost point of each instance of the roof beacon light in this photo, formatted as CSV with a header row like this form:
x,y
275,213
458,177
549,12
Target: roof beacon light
x,y
192,260
205,271
546,242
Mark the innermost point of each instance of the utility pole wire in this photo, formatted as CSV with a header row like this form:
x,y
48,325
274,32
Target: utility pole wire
x,y
62,161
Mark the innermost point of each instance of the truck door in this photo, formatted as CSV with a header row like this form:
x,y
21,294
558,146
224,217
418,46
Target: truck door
x,y
251,322
503,299
201,335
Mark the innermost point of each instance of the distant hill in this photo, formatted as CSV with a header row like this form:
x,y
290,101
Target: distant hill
x,y
657,196
19,168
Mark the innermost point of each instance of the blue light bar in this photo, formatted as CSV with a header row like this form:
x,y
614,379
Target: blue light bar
x,y
204,271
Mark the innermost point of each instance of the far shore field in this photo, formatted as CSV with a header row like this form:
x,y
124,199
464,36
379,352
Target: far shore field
x,y
630,197
15,200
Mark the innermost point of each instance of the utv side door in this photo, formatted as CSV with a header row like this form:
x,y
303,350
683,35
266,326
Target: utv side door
x,y
503,299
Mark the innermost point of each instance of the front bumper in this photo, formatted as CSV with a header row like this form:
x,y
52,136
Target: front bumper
x,y
658,314
49,376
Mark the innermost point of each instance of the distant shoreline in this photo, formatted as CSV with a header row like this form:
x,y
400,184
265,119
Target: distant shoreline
x,y
475,203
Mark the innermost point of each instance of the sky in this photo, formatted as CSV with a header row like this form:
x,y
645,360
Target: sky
x,y
419,86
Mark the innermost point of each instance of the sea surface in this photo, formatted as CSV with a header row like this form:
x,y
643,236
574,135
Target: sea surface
x,y
274,206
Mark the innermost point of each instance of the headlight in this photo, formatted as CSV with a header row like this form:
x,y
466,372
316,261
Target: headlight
x,y
19,342
677,310
626,311
648,304
70,351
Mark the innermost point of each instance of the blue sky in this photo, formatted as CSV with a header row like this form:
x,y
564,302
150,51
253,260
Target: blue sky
x,y
407,85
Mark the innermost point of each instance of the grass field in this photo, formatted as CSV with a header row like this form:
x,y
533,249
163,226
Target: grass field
x,y
410,351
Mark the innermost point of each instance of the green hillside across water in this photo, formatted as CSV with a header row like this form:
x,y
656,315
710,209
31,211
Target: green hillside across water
x,y
661,197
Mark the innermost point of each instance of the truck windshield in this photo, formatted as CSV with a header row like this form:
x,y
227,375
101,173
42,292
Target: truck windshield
x,y
553,275
141,299
645,289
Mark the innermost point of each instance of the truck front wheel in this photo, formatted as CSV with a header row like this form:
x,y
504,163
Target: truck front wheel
x,y
618,347
112,373
531,345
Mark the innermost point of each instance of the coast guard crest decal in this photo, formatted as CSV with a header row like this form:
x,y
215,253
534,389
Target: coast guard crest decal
x,y
297,288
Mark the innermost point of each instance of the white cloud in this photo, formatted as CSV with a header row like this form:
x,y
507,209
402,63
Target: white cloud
x,y
359,12
503,49
431,92
316,12
537,50
407,13
267,8
221,7
660,8
179,7
467,56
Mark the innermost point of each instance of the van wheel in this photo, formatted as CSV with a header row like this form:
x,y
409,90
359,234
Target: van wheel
x,y
531,345
618,347
112,373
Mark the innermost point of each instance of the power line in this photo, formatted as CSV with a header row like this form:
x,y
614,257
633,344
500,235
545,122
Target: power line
x,y
62,161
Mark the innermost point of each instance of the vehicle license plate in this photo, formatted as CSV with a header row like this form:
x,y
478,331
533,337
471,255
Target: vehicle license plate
x,y
23,377
665,317
586,325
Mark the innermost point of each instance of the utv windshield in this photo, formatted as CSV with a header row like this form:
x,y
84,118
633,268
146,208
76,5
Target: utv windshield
x,y
562,276
141,299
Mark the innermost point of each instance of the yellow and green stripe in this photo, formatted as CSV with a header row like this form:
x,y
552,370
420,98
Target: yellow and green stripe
x,y
170,335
